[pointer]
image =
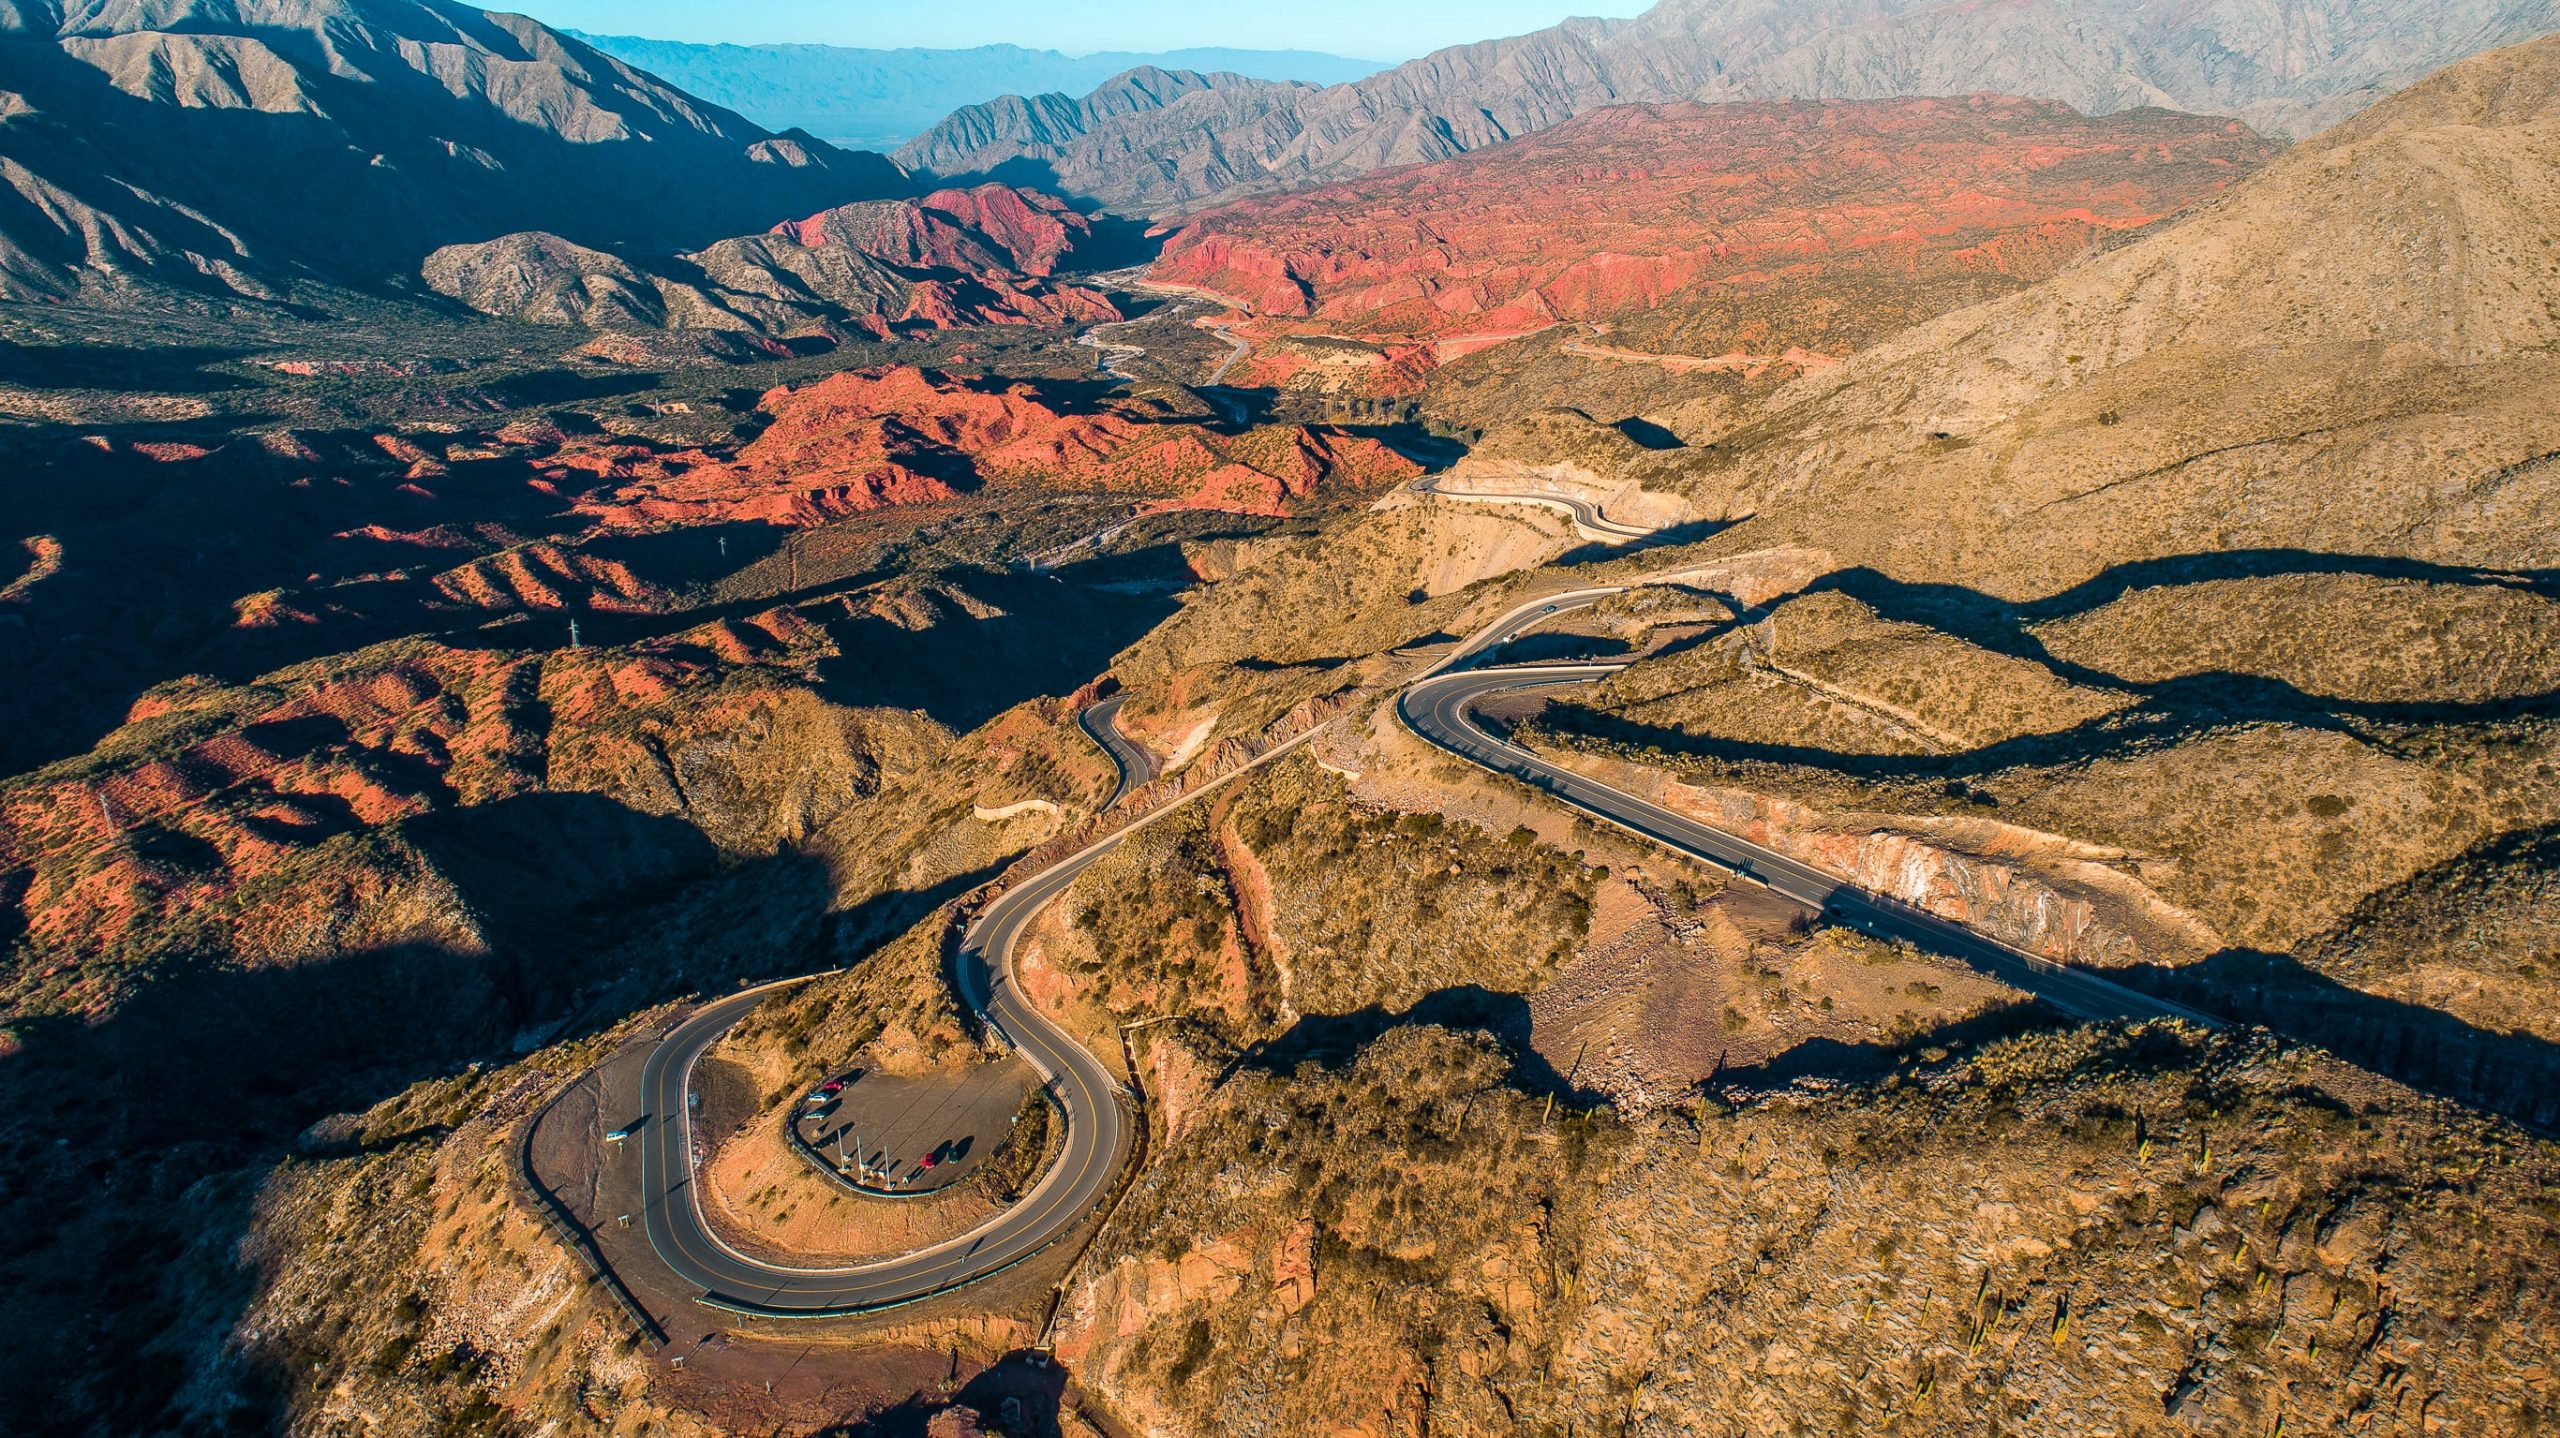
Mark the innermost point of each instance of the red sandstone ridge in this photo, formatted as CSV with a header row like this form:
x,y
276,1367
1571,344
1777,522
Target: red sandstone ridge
x,y
865,439
250,781
1627,209
985,230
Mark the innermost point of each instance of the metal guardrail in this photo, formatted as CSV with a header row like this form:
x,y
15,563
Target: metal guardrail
x,y
1111,1201
564,1224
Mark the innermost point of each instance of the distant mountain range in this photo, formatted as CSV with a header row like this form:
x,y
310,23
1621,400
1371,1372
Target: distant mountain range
x,y
2286,67
258,148
251,147
880,99
1020,135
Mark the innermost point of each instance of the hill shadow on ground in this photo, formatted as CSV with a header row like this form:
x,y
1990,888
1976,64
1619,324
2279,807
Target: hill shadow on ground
x,y
137,1145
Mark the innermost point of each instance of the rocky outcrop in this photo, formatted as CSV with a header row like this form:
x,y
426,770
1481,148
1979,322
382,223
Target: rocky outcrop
x,y
878,268
313,813
2049,895
2036,892
2291,73
44,560
1641,207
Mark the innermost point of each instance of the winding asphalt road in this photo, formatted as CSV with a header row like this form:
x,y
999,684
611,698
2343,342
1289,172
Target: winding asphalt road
x,y
1586,515
1442,710
1438,705
1138,768
1097,1127
1097,1142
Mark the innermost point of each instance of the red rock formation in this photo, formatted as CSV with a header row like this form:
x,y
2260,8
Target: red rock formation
x,y
545,576
1627,209
213,790
986,229
865,439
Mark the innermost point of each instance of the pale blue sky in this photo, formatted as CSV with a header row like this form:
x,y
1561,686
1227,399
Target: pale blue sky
x,y
1366,29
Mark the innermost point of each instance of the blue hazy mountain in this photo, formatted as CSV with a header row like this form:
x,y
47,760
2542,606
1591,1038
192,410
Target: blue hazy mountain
x,y
879,99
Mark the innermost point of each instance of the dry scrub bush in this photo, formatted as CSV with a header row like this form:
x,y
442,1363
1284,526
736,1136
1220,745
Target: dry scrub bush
x,y
893,1005
1380,908
2054,1233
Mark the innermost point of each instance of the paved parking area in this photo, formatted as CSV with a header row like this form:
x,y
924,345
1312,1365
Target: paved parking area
x,y
957,1120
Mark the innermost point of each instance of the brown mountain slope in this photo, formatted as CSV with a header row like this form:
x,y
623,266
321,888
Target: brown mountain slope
x,y
236,147
2394,284
2214,575
878,267
1014,131
2285,68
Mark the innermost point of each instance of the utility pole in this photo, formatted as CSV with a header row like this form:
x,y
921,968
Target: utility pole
x,y
573,634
